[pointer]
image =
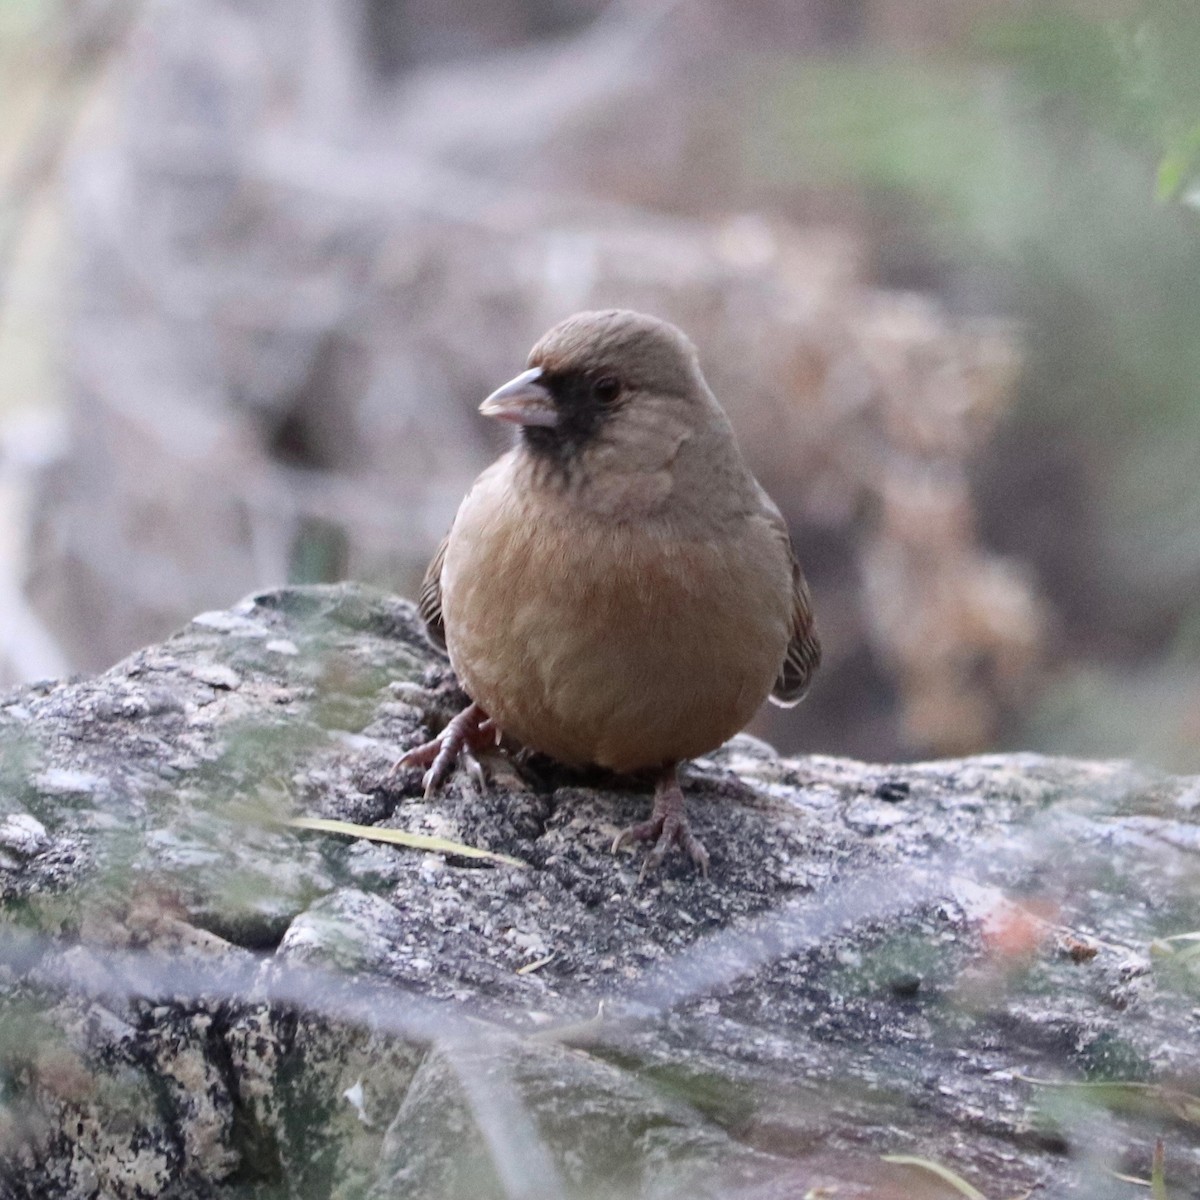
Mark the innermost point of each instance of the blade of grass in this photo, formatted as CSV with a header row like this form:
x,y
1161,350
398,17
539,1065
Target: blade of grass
x,y
398,837
1119,1096
1158,1172
1128,1178
947,1176
529,968
1177,943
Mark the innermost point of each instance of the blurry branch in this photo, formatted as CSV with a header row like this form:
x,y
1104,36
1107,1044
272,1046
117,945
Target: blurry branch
x,y
250,978
715,962
709,965
473,1047
520,1157
88,50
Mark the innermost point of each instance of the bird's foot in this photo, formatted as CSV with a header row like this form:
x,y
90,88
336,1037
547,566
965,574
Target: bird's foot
x,y
667,826
471,730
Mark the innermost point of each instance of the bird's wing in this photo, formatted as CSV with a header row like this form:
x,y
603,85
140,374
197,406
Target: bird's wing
x,y
803,654
430,603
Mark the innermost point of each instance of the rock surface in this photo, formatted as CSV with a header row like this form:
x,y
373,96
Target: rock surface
x,y
961,961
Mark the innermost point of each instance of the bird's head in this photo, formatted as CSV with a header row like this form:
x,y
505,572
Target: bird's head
x,y
617,389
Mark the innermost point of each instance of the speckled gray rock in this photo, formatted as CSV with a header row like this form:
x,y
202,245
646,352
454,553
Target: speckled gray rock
x,y
964,961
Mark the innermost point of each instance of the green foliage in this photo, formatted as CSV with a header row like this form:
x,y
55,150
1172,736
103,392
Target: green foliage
x,y
1134,78
917,128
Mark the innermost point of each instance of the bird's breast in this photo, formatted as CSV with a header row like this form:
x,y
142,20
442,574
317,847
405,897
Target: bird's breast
x,y
614,643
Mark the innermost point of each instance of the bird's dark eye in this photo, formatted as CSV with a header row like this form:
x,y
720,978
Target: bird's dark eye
x,y
606,389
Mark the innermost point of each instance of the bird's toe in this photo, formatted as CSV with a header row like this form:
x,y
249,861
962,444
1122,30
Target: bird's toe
x,y
643,831
665,831
694,848
452,745
418,756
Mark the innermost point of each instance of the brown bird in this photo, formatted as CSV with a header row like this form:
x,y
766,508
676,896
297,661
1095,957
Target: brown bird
x,y
617,589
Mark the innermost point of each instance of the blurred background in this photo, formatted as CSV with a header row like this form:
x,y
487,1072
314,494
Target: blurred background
x,y
261,259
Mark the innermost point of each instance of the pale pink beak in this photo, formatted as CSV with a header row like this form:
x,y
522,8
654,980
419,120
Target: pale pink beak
x,y
523,401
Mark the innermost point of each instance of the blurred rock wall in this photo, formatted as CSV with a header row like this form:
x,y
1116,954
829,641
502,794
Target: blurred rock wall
x,y
312,236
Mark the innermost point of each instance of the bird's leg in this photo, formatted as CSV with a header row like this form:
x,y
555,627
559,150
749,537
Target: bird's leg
x,y
471,730
668,825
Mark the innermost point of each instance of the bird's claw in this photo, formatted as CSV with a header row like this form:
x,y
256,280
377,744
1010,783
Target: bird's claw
x,y
418,756
665,829
471,728
474,770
